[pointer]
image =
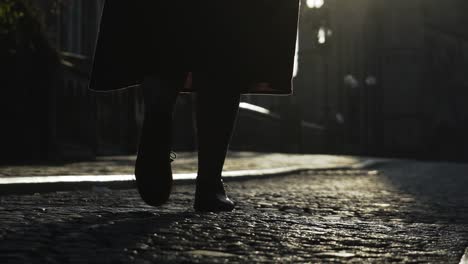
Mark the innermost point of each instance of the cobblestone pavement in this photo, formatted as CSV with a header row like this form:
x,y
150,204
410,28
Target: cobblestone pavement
x,y
407,212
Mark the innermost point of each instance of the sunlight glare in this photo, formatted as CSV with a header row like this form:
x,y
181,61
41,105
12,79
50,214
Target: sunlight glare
x,y
315,3
322,35
296,57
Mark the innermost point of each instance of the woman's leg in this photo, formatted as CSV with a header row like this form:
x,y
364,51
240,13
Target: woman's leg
x,y
216,115
152,168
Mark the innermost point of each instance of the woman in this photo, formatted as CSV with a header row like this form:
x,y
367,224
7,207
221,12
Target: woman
x,y
218,49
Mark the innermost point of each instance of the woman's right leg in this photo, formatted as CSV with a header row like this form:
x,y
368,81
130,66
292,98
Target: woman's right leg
x,y
152,168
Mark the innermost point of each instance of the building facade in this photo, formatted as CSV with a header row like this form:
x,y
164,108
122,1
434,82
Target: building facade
x,y
386,77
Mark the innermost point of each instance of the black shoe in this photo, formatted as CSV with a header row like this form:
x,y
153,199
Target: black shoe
x,y
154,178
210,196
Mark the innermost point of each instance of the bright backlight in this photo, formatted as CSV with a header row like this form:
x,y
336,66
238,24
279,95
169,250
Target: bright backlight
x,y
315,3
322,35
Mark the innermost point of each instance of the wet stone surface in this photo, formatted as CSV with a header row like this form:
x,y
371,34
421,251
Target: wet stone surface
x,y
330,216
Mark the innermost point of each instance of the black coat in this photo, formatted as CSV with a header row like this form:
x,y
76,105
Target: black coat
x,y
248,43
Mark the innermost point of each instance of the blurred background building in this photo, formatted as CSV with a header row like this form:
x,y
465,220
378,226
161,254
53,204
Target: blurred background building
x,y
386,78
374,77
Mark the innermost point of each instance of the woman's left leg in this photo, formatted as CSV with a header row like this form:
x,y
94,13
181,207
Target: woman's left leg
x,y
216,115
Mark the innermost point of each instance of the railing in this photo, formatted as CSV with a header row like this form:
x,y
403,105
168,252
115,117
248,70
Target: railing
x,y
89,123
110,123
75,115
259,129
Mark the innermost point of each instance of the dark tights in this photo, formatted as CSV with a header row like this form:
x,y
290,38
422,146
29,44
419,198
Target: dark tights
x,y
216,114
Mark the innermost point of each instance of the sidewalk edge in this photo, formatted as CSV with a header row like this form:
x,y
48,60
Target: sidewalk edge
x,y
30,185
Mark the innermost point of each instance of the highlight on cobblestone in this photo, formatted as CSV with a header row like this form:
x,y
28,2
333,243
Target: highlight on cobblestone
x,y
355,216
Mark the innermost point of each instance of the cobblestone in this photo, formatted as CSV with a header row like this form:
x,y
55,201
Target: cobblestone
x,y
407,212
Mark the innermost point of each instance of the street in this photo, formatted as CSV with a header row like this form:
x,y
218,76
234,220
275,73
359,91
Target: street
x,y
339,128
401,212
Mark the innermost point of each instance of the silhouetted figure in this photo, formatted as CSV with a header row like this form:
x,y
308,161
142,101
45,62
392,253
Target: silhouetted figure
x,y
217,49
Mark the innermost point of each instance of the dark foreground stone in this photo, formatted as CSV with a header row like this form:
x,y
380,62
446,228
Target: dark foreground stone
x,y
398,215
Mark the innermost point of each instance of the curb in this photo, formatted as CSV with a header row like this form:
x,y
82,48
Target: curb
x,y
41,184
